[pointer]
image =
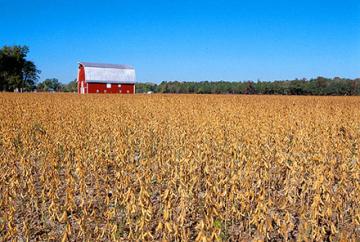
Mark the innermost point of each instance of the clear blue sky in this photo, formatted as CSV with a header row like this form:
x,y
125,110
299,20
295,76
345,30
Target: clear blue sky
x,y
189,40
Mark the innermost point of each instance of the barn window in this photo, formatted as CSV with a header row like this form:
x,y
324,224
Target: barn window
x,y
108,85
97,91
119,85
127,91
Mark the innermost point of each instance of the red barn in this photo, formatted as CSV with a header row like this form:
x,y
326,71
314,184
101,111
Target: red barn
x,y
105,78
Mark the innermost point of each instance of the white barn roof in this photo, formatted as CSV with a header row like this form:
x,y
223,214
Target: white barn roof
x,y
108,73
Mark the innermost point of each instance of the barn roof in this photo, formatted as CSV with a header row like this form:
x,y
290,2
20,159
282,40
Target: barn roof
x,y
102,65
108,73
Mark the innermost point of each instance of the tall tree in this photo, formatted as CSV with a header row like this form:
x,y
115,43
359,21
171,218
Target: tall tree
x,y
16,72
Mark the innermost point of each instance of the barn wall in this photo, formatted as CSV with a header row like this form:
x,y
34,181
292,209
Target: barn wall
x,y
102,88
128,88
81,78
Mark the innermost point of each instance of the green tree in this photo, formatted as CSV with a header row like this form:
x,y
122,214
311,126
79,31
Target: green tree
x,y
71,86
50,85
145,87
16,72
318,86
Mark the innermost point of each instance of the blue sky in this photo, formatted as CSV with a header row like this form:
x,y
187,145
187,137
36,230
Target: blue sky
x,y
189,40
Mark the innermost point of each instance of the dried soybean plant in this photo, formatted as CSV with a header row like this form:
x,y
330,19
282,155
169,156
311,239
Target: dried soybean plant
x,y
179,168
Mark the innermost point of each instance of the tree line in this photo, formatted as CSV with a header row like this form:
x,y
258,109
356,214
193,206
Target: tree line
x,y
53,85
19,74
315,86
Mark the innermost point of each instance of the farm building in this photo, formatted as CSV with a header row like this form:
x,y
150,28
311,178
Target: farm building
x,y
105,78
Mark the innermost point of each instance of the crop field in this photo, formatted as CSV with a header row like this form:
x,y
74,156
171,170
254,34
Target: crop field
x,y
179,168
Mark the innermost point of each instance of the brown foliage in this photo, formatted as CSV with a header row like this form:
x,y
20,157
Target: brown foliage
x,y
179,167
